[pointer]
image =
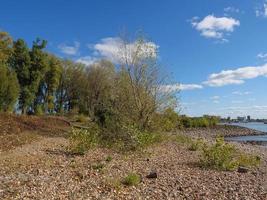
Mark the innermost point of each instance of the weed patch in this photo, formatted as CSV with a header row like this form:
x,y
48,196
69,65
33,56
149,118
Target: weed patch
x,y
131,179
223,156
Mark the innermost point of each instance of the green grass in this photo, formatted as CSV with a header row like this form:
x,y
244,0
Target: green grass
x,y
98,166
132,179
109,159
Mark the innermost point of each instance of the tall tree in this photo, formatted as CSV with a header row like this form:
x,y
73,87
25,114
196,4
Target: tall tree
x,y
21,63
51,82
142,78
70,87
9,88
5,46
97,90
39,67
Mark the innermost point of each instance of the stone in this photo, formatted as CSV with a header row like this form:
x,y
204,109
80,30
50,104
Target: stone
x,y
152,174
242,170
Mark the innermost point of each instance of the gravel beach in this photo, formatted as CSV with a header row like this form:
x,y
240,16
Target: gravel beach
x,y
43,170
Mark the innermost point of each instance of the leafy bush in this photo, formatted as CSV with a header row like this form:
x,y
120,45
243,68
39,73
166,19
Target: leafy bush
x,y
131,179
183,139
223,156
195,122
129,138
81,140
196,145
145,138
245,160
168,121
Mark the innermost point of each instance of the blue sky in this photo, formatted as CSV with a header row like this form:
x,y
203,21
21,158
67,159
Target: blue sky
x,y
217,50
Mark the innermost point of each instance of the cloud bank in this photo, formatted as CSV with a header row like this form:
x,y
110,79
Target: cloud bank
x,y
237,76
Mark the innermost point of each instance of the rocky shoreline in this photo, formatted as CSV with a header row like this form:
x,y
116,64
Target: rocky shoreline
x,y
222,130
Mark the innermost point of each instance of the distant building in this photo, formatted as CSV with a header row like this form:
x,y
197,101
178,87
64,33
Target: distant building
x,y
241,119
248,118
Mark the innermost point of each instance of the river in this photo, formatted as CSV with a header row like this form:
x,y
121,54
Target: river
x,y
252,125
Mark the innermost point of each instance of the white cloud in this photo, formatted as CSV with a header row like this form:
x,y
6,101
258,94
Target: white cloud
x,y
262,56
237,76
116,50
70,50
241,93
231,9
262,10
216,101
178,87
215,97
86,60
215,27
190,86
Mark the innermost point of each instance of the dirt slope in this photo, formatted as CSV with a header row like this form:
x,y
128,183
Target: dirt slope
x,y
17,130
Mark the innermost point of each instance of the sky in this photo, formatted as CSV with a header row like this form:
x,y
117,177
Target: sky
x,y
216,51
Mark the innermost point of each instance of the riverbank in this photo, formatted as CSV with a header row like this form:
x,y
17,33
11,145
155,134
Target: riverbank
x,y
42,169
221,130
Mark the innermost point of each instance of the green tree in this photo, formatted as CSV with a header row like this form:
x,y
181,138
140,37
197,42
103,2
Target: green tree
x,y
9,88
97,90
21,63
5,47
52,80
39,67
141,80
71,82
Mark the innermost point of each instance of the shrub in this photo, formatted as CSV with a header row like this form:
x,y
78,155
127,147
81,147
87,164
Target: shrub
x,y
122,138
196,145
195,122
219,156
81,140
223,156
183,139
245,160
129,138
146,138
131,179
81,118
186,122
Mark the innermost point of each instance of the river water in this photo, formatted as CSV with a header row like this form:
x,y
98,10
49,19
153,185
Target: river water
x,y
252,125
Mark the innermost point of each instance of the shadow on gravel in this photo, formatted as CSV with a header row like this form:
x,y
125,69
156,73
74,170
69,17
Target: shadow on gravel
x,y
60,152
